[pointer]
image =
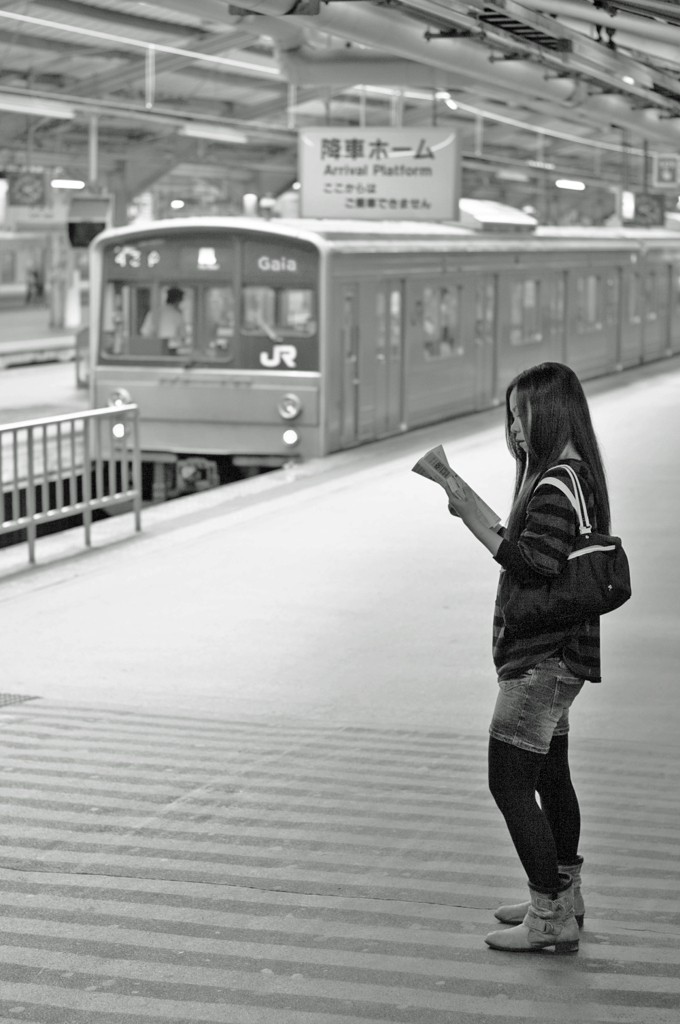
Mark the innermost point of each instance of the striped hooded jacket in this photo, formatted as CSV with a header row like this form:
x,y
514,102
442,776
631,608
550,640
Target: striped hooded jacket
x,y
546,541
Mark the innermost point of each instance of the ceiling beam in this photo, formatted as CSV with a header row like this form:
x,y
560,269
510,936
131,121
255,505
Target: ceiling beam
x,y
30,42
135,69
113,17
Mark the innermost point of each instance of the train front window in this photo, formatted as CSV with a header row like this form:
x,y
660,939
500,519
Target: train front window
x,y
148,320
219,319
276,312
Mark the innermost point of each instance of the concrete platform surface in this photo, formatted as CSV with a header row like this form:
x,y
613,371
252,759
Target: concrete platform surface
x,y
175,868
41,389
252,785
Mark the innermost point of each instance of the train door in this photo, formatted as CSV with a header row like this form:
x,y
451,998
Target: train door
x,y
389,356
349,334
486,289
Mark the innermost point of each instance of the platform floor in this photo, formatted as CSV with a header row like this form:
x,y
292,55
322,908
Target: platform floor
x,y
252,787
40,389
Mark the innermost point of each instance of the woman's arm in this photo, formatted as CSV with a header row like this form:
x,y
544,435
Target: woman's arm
x,y
466,509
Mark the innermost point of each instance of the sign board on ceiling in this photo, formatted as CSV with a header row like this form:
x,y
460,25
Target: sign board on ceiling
x,y
666,171
379,173
650,211
26,188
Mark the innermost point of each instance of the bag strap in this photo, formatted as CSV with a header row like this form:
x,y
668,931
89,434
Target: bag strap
x,y
576,499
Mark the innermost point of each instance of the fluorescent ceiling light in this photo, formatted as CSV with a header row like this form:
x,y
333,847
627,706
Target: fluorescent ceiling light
x,y
214,132
576,186
67,183
510,174
36,107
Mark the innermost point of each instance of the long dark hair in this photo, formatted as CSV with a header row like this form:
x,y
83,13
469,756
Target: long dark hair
x,y
559,414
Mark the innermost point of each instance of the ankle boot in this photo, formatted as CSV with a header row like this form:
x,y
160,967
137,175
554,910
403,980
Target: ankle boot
x,y
549,922
516,912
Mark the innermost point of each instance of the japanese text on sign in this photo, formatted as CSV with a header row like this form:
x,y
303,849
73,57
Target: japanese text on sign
x,y
390,173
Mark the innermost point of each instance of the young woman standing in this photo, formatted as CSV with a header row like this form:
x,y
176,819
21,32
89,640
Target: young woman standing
x,y
548,425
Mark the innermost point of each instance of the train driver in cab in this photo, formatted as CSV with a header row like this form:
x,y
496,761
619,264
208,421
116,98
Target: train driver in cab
x,y
171,329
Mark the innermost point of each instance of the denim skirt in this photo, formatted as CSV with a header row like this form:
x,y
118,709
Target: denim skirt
x,y
533,708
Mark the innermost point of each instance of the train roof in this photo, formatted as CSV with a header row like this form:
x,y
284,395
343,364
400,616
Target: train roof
x,y
356,236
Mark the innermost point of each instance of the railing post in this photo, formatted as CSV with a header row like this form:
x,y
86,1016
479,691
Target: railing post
x,y
30,497
79,451
87,483
136,471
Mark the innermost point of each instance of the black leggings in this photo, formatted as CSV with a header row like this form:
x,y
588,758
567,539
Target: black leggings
x,y
544,836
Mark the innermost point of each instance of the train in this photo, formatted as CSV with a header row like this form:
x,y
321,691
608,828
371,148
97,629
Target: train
x,y
250,343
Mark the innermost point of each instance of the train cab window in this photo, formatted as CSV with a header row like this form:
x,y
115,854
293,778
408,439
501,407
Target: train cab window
x,y
219,318
276,311
147,320
588,299
525,312
440,321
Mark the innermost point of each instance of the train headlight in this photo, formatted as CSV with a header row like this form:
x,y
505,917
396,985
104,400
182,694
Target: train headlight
x,y
118,430
291,438
120,396
289,407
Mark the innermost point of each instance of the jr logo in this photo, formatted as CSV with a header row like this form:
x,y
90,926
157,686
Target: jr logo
x,y
286,354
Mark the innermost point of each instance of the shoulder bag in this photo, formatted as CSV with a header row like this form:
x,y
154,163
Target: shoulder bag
x,y
595,580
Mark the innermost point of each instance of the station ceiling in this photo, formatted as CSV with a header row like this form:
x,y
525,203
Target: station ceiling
x,y
208,94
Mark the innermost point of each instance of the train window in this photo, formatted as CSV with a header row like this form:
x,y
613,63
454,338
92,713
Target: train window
x,y
611,298
588,301
273,311
380,320
143,320
662,290
485,301
525,312
220,320
440,321
297,310
634,298
654,299
557,301
395,320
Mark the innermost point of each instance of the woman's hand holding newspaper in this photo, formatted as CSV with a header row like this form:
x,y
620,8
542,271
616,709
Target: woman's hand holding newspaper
x,y
462,503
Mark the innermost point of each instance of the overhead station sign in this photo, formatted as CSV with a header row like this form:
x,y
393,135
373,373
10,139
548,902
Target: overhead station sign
x,y
666,170
379,173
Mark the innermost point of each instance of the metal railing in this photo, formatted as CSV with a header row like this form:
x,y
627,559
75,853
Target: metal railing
x,y
69,465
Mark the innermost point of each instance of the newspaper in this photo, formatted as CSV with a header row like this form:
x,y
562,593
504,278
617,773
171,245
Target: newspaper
x,y
435,466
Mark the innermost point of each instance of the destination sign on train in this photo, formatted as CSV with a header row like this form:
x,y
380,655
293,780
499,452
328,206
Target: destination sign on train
x,y
278,263
379,173
160,257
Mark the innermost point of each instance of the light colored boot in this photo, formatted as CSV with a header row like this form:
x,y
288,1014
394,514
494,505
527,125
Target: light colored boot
x,y
548,923
516,912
